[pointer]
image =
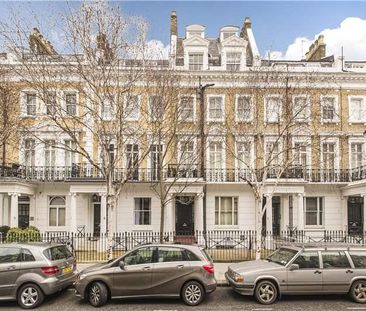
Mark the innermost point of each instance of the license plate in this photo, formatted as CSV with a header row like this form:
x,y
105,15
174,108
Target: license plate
x,y
67,269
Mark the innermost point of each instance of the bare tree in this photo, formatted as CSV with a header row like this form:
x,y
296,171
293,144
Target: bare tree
x,y
172,138
90,94
271,131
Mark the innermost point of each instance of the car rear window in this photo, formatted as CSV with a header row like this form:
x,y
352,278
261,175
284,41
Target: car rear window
x,y
57,253
206,255
190,256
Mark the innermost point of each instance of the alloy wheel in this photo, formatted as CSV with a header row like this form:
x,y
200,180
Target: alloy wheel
x,y
360,292
193,294
29,296
266,292
94,294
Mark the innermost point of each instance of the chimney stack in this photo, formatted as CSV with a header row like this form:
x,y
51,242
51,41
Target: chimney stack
x,y
317,50
173,24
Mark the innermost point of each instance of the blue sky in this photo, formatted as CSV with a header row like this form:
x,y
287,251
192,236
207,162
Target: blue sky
x,y
276,25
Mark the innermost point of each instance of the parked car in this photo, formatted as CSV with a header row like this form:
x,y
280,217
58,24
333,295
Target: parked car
x,y
154,270
302,270
29,271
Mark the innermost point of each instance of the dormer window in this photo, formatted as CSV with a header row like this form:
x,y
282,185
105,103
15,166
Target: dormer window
x,y
195,61
233,61
226,35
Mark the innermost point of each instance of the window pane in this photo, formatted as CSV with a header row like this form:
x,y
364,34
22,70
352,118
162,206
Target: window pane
x,y
166,254
308,260
10,254
61,217
53,217
358,258
335,260
139,256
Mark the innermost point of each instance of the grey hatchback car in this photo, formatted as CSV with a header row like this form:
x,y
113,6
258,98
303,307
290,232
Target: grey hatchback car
x,y
30,271
155,270
302,270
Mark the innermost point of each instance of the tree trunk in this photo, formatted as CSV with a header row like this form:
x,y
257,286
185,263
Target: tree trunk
x,y
259,225
111,204
162,220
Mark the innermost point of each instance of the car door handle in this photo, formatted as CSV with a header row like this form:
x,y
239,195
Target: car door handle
x,y
146,268
317,272
11,267
180,266
349,271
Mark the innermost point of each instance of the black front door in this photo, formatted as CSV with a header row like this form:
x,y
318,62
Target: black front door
x,y
184,216
96,219
355,215
276,215
23,212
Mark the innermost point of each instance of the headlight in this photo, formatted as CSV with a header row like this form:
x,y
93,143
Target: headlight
x,y
238,278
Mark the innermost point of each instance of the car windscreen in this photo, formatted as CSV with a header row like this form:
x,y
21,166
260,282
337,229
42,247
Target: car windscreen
x,y
57,253
282,256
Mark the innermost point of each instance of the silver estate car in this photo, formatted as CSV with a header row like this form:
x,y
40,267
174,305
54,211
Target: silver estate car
x,y
155,270
302,270
30,271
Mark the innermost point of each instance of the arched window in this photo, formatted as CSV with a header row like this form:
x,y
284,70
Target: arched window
x,y
57,211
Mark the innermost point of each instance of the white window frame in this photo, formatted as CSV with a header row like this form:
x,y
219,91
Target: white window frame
x,y
223,153
70,92
246,139
52,150
334,140
266,102
222,96
111,105
137,117
55,107
271,139
180,150
68,154
307,109
352,141
362,112
194,53
23,103
318,212
233,224
194,108
140,210
336,109
306,141
57,207
252,106
151,119
33,150
232,63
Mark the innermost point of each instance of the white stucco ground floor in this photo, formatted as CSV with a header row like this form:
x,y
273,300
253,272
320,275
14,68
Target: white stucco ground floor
x,y
82,207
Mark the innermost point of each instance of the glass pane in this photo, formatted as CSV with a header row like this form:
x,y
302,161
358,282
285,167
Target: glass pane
x,y
308,260
335,260
61,217
358,258
139,256
53,217
9,254
166,254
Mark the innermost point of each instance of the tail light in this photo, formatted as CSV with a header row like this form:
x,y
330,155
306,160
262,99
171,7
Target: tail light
x,y
52,270
209,268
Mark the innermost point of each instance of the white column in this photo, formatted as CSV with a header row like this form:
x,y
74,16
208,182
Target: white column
x,y
198,212
344,213
284,212
168,217
2,209
269,220
73,212
300,211
14,210
103,213
364,212
6,209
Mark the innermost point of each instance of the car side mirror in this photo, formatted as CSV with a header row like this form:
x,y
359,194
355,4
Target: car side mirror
x,y
294,266
121,264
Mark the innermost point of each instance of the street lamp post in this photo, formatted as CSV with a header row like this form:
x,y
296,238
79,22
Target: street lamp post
x,y
201,91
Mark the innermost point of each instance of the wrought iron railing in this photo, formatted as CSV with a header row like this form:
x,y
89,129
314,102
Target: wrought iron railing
x,y
180,172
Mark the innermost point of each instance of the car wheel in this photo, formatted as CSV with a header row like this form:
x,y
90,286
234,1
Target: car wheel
x,y
358,291
193,293
30,296
97,294
266,292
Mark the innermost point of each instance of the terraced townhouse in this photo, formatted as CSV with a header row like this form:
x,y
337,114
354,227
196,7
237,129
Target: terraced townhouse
x,y
302,122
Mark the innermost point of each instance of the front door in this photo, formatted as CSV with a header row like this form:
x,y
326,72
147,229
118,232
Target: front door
x,y
23,212
96,222
355,215
276,215
184,216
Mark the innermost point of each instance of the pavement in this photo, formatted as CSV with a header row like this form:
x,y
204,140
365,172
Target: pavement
x,y
220,269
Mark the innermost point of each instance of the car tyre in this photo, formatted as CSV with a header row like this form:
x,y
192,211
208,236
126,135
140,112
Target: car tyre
x,y
30,296
97,294
266,292
358,291
192,293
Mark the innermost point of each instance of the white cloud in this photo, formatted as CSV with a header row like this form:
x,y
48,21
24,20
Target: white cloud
x,y
156,49
351,34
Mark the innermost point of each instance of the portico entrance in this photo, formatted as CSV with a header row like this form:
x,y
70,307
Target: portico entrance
x,y
184,217
355,215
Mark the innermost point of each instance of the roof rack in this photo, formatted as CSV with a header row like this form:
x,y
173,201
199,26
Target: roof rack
x,y
324,245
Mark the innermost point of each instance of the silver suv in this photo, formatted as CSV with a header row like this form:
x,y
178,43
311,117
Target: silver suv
x,y
30,271
302,270
156,270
